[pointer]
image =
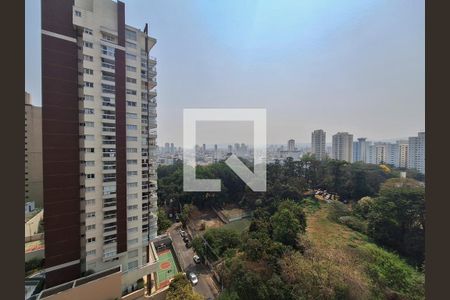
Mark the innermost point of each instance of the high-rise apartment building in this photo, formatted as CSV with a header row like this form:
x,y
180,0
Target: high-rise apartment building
x,y
318,144
342,146
166,148
402,148
291,145
416,152
360,150
386,153
33,153
99,131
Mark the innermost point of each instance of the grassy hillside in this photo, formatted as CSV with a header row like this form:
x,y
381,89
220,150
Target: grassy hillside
x,y
369,270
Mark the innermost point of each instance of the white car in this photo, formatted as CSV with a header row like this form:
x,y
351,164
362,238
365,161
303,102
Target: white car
x,y
193,278
182,233
196,259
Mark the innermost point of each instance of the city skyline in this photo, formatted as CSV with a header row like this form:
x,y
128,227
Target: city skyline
x,y
322,68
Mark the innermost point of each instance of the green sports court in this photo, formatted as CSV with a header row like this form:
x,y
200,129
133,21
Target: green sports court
x,y
167,268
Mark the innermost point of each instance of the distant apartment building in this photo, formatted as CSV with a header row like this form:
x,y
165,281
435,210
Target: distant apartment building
x,y
386,153
291,145
33,153
318,144
360,150
416,152
342,146
402,148
99,132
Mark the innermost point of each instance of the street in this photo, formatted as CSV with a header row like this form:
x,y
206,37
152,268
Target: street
x,y
205,285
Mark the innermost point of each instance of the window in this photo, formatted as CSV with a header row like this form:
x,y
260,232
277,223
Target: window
x,y
133,207
90,214
88,97
130,34
90,240
88,84
133,218
88,71
88,57
131,92
132,196
90,189
132,116
89,150
87,124
78,13
131,127
132,184
87,31
106,50
106,88
131,80
109,190
108,63
131,68
88,137
90,176
132,138
132,161
91,252
131,103
87,111
131,56
90,227
90,202
131,150
108,37
130,45
133,264
88,44
133,254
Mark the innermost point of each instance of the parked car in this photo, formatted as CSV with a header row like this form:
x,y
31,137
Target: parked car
x,y
193,278
183,233
196,259
185,239
188,244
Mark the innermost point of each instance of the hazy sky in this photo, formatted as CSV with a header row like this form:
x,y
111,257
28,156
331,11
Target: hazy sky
x,y
355,66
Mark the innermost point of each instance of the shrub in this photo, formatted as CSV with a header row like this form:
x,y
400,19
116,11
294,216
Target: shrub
x,y
354,223
390,273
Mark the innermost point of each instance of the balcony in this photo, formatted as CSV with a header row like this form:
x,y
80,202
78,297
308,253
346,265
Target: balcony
x,y
152,60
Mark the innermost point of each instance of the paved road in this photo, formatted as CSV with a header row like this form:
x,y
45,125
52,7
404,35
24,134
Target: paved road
x,y
205,285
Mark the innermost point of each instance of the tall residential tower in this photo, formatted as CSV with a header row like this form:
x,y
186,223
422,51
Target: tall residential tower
x,y
318,139
416,152
99,131
33,152
342,146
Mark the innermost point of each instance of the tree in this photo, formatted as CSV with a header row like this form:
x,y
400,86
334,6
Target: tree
x,y
397,219
163,221
288,222
181,289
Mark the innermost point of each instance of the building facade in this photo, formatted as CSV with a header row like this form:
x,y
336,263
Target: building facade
x,y
342,146
402,147
291,145
99,131
416,152
360,150
33,153
318,144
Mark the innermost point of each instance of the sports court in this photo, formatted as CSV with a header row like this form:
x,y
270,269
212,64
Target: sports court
x,y
167,268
